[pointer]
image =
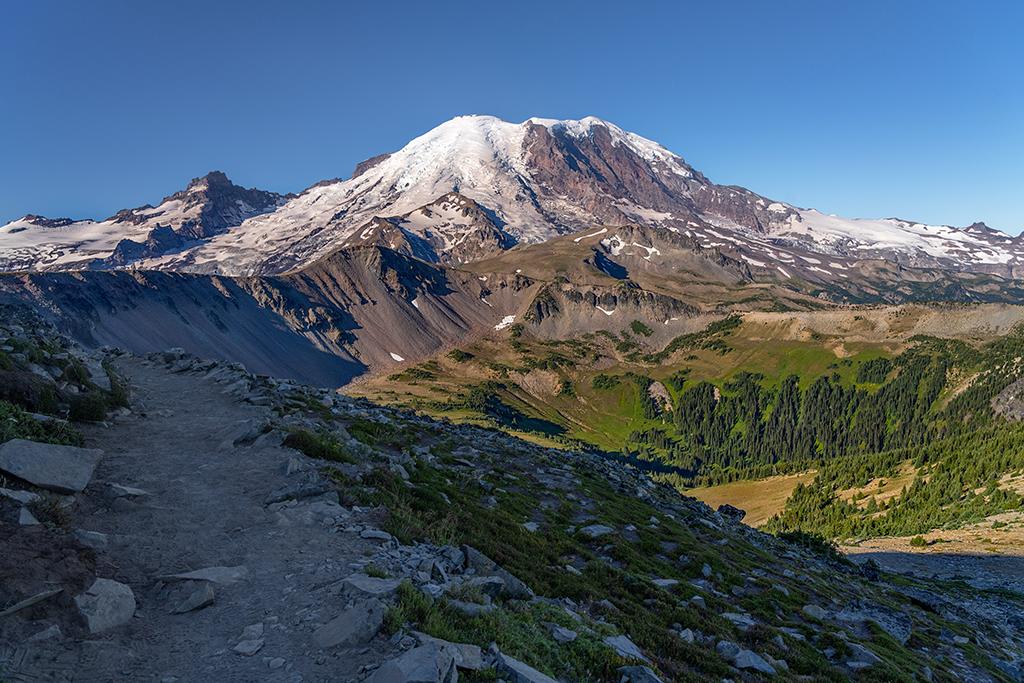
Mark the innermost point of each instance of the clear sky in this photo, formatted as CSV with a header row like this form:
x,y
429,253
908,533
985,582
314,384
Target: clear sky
x,y
873,109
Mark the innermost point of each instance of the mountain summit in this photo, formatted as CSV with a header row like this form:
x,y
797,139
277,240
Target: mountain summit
x,y
519,183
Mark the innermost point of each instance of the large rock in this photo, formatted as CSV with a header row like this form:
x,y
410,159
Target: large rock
x,y
485,566
467,656
106,605
638,674
354,626
596,531
746,659
624,647
519,672
371,586
197,596
65,469
428,663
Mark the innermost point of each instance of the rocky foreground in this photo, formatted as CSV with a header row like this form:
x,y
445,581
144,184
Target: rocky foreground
x,y
226,526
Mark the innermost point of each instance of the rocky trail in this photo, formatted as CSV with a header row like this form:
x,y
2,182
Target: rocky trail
x,y
174,494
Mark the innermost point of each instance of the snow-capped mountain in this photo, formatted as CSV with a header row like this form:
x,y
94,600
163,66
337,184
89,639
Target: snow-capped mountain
x,y
477,185
209,206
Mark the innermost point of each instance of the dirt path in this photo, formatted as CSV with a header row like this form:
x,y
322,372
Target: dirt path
x,y
205,506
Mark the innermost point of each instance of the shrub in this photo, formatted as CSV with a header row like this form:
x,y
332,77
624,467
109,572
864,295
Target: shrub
x,y
317,445
89,407
918,542
640,328
460,356
15,423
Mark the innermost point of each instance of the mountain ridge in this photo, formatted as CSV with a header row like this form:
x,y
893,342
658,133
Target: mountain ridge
x,y
536,180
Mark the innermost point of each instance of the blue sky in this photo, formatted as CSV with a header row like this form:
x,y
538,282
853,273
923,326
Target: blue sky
x,y
908,109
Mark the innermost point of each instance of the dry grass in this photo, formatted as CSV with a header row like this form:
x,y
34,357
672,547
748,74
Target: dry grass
x,y
761,498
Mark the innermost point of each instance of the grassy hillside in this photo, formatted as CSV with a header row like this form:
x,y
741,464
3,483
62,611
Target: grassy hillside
x,y
761,396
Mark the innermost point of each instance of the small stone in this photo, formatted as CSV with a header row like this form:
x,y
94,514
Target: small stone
x,y
91,539
201,596
275,663
252,632
375,535
532,527
26,518
815,612
106,605
596,531
562,634
248,648
746,659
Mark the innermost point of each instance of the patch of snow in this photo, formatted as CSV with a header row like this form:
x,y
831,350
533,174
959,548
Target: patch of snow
x,y
396,357
505,322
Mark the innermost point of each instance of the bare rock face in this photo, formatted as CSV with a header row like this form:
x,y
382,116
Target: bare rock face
x,y
451,229
105,605
65,469
210,204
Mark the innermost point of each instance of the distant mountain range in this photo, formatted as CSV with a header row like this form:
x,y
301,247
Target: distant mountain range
x,y
477,185
568,226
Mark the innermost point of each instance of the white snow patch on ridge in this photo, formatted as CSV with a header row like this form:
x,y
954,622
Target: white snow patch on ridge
x,y
505,322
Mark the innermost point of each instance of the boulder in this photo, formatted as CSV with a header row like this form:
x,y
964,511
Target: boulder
x,y
815,612
371,586
65,469
638,674
428,663
105,605
485,566
23,497
731,512
354,626
518,672
466,656
624,647
746,659
596,531
198,596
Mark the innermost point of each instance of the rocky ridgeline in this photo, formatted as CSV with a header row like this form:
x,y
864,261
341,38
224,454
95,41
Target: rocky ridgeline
x,y
433,551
